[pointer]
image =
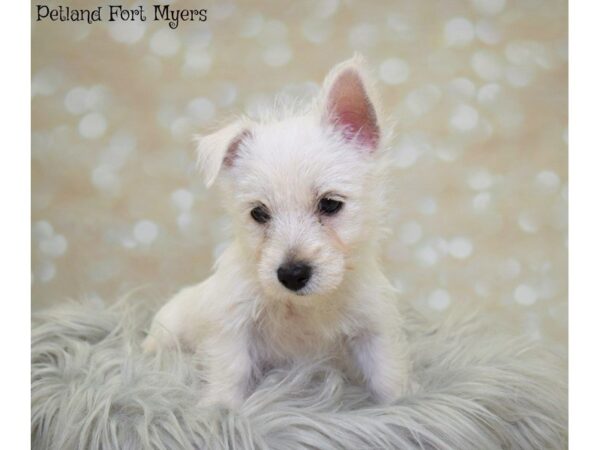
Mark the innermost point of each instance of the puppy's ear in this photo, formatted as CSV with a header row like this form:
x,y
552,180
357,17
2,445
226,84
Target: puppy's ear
x,y
220,149
348,102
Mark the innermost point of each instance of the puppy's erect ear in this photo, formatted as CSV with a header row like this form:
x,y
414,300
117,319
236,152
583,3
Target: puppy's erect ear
x,y
220,149
348,103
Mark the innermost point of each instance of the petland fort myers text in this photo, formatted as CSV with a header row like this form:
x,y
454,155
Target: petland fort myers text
x,y
112,13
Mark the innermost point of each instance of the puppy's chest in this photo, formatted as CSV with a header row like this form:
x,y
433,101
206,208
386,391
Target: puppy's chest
x,y
292,332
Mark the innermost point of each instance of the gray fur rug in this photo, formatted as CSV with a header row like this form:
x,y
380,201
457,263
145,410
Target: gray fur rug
x,y
93,389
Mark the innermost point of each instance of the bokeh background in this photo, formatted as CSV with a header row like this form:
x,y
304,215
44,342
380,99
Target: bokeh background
x,y
479,178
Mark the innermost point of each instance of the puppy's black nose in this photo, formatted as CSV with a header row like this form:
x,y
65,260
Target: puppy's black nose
x,y
294,275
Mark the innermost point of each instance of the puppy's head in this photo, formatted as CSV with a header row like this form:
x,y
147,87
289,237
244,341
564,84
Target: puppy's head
x,y
303,189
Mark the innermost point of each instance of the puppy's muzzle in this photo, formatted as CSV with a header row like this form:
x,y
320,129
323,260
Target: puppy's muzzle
x,y
294,275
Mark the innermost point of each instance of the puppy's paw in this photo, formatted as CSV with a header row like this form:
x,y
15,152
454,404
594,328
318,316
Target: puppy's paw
x,y
389,393
214,400
158,339
413,387
150,345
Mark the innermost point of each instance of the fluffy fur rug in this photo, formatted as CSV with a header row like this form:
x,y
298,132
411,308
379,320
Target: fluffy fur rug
x,y
93,389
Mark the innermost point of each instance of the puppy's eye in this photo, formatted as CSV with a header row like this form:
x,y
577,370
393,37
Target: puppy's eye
x,y
260,214
329,206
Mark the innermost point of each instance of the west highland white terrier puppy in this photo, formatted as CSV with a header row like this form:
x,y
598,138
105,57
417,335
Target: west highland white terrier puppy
x,y
301,279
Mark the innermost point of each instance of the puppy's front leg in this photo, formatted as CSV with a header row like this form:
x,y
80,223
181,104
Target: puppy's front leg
x,y
383,360
228,368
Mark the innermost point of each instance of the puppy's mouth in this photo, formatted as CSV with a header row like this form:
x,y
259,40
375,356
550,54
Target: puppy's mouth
x,y
304,294
301,293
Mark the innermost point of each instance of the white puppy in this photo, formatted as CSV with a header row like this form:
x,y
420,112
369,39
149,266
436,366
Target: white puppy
x,y
301,278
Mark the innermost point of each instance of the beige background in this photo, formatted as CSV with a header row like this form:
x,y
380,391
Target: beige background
x,y
479,183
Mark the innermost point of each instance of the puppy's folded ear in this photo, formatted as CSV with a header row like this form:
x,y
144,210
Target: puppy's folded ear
x,y
221,148
348,103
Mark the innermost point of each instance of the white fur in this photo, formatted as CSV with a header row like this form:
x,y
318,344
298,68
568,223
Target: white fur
x,y
242,320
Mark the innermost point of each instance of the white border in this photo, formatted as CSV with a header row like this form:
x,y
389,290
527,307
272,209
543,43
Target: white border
x,y
15,201
584,223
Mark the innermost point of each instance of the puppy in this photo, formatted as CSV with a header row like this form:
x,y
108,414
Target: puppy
x,y
301,278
